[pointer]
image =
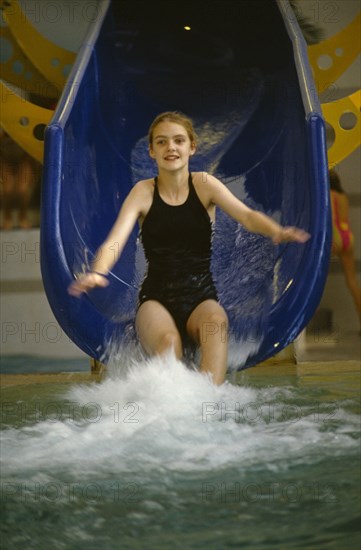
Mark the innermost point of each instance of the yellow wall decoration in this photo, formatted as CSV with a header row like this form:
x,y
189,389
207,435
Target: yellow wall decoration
x,y
52,61
345,119
331,58
24,121
17,69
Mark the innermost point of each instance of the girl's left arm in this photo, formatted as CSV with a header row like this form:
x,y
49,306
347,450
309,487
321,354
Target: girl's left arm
x,y
252,220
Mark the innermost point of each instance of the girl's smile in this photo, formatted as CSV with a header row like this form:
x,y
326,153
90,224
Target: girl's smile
x,y
171,145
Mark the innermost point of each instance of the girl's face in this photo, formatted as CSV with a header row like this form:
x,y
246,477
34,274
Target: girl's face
x,y
171,146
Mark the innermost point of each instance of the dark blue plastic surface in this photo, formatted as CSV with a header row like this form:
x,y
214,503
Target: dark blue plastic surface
x,y
242,74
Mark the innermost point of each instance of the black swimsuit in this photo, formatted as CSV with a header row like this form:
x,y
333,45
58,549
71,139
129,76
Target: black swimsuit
x,y
177,242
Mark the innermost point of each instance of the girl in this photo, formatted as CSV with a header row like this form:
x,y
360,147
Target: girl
x,y
178,299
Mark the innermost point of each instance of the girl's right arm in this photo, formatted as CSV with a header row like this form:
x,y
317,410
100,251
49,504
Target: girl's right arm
x,y
109,252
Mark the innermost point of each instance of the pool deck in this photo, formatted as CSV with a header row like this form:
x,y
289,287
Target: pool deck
x,y
7,380
272,367
324,357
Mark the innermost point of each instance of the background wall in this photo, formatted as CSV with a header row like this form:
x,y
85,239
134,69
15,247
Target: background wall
x,y
28,325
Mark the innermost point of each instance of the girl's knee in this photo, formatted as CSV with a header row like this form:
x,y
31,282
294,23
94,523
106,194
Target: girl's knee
x,y
170,340
214,326
219,319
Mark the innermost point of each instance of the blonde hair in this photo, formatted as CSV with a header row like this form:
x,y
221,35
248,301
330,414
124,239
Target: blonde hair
x,y
178,118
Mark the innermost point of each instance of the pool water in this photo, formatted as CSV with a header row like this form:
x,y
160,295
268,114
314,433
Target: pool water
x,y
155,456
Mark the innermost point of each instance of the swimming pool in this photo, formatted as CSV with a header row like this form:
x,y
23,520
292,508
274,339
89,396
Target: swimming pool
x,y
154,456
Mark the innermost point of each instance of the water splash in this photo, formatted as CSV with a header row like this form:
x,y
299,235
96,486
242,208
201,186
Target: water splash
x,y
159,417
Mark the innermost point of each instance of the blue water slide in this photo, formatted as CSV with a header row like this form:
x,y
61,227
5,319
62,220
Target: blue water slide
x,y
240,70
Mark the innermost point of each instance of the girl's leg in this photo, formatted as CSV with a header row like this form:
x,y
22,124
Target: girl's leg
x,y
157,330
208,326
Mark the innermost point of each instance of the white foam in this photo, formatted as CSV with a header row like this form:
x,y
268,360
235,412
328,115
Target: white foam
x,y
161,416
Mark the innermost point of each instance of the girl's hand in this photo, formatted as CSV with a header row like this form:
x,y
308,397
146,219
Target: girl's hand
x,y
86,282
291,234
